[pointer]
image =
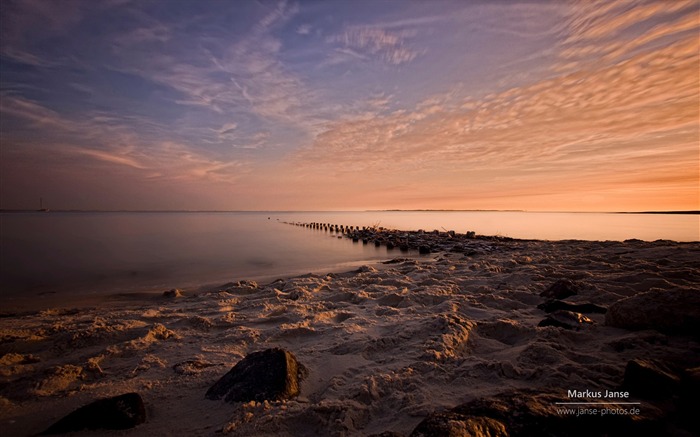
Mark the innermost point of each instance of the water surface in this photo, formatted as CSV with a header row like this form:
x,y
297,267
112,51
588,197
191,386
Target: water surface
x,y
110,252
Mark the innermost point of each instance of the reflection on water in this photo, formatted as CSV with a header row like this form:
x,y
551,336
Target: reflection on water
x,y
106,252
100,252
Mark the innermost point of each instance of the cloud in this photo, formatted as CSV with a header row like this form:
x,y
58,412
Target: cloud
x,y
255,141
24,57
164,161
388,46
343,55
107,157
618,29
282,12
112,140
227,129
19,19
17,106
628,121
154,32
304,29
239,69
267,86
179,161
592,22
29,27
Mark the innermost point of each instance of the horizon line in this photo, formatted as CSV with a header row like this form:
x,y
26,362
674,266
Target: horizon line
x,y
690,212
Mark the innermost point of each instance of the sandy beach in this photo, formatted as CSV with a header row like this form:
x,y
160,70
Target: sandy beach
x,y
385,346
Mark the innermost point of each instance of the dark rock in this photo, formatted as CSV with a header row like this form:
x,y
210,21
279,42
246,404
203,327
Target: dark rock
x,y
689,402
566,319
120,412
424,250
396,261
366,269
554,305
457,425
272,374
675,312
650,380
387,434
561,289
525,413
172,293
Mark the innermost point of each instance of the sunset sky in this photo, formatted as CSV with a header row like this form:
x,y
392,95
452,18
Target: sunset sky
x,y
350,105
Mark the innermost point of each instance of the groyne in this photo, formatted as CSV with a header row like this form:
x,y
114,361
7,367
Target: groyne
x,y
425,242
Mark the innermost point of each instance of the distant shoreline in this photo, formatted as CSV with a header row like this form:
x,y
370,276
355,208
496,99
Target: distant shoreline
x,y
25,211
523,210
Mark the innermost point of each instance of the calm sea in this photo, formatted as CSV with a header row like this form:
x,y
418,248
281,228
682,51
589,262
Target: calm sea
x,y
61,252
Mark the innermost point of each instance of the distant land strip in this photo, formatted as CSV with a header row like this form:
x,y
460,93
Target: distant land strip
x,y
522,210
696,212
660,212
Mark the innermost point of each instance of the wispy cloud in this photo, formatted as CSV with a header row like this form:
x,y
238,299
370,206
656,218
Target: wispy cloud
x,y
108,139
155,32
630,120
107,157
256,141
219,75
332,105
593,22
227,129
388,46
17,106
614,30
257,73
304,29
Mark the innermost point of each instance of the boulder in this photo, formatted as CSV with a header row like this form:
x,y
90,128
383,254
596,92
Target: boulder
x,y
456,425
689,402
566,319
525,413
172,293
272,374
396,261
119,412
650,380
561,289
675,312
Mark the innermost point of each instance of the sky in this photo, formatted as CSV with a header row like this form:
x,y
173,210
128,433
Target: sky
x,y
350,105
